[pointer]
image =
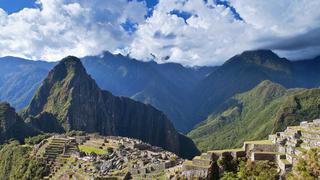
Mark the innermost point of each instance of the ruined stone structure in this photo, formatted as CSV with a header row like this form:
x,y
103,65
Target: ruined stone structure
x,y
283,148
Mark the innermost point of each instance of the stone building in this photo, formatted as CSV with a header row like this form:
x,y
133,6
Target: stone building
x,y
283,148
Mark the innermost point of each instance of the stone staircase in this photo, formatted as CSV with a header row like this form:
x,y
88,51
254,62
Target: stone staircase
x,y
57,153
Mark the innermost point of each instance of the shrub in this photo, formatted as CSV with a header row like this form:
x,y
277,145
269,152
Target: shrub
x,y
75,133
307,166
36,139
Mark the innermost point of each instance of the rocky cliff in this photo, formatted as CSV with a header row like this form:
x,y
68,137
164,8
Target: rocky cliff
x,y
69,99
11,125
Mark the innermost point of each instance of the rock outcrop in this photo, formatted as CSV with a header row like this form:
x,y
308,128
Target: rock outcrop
x,y
69,99
11,125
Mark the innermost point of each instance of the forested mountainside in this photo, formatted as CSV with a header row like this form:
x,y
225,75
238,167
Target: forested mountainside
x,y
245,71
266,109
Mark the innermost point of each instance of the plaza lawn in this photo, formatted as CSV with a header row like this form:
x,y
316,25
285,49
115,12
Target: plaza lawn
x,y
88,149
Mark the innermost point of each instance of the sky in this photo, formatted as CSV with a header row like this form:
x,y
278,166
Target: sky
x,y
190,32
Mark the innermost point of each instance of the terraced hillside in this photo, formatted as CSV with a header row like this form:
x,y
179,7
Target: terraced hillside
x,y
94,156
291,154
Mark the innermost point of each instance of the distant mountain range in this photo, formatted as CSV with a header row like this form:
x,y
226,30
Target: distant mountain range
x,y
245,71
168,87
186,95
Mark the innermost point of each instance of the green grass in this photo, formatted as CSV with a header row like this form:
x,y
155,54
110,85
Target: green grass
x,y
276,153
285,161
88,149
189,163
301,149
16,163
259,142
226,150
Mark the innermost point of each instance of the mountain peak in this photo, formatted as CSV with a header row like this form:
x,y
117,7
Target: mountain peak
x,y
70,60
263,93
261,53
71,63
262,58
69,99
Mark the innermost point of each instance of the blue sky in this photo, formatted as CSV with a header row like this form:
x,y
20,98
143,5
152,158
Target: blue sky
x,y
190,32
11,6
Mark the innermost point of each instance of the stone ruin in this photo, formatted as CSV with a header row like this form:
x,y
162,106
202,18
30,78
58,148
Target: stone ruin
x,y
283,148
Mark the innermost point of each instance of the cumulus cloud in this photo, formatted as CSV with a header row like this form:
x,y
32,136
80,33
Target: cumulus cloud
x,y
293,25
68,27
212,34
190,32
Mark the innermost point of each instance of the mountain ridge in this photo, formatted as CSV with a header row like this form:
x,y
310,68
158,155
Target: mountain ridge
x,y
252,115
186,95
73,101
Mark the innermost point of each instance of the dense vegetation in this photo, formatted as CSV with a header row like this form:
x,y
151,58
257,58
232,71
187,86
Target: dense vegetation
x,y
267,108
36,139
16,163
308,166
262,170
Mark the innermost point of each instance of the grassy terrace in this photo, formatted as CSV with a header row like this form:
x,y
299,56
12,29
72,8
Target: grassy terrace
x,y
300,149
259,142
88,149
226,150
295,127
263,152
293,155
201,158
285,161
189,163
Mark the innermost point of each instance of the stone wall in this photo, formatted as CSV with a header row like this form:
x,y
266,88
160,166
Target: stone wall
x,y
251,147
256,156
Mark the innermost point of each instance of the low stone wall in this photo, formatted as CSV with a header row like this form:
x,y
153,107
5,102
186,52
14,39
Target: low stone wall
x,y
201,162
284,165
238,154
197,174
256,156
251,147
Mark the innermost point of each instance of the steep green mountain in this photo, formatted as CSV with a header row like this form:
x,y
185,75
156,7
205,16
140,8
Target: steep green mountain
x,y
12,126
265,109
69,99
239,74
167,87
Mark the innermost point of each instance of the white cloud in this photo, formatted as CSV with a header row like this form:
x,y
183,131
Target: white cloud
x,y
205,38
281,16
293,26
68,27
212,35
209,36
